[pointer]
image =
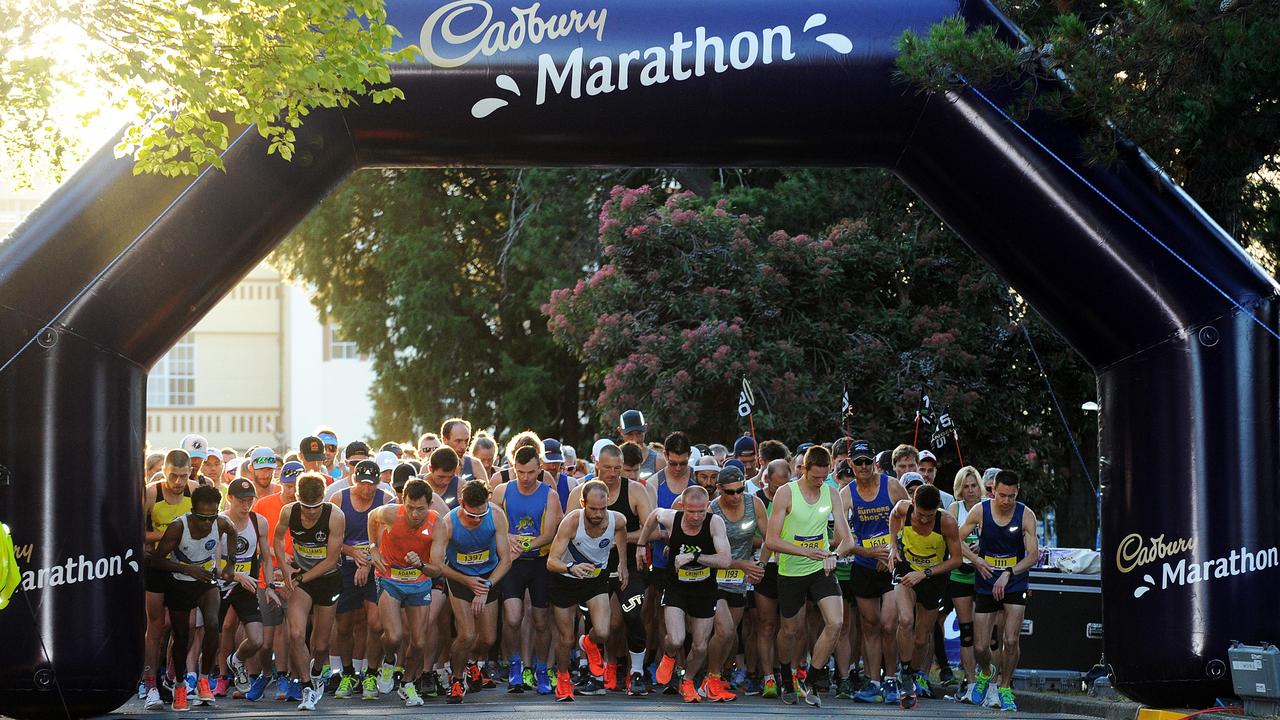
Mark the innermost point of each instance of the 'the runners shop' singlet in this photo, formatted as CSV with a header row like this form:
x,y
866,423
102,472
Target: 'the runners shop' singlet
x,y
1002,547
472,552
310,544
869,520
593,551
695,576
923,551
525,515
742,535
399,541
806,527
195,550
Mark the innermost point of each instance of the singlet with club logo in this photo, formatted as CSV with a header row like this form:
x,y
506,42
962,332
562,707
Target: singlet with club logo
x,y
200,551
472,551
593,551
1002,547
923,550
695,576
310,544
247,560
869,519
525,516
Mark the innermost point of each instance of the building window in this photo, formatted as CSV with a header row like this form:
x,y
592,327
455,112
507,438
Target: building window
x,y
172,382
341,348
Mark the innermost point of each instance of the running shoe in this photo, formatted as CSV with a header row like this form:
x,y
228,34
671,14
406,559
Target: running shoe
x,y
256,688
475,680
515,676
165,685
739,680
430,684
962,692
891,691
527,679
753,685
295,690
369,688
594,659
589,686
386,681
788,694
922,685
282,687
689,692
457,691
204,694
1006,700
819,680
239,673
142,691
153,700
308,699
564,687
809,693
180,697
978,694
222,687
844,691
333,682
869,694
488,676
665,670
411,696
611,676
346,686
542,680
636,685
770,688
714,689
945,675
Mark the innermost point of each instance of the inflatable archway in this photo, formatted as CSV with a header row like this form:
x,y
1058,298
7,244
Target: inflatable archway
x,y
1176,320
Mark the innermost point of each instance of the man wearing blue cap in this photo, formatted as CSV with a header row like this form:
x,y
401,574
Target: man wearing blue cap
x,y
332,467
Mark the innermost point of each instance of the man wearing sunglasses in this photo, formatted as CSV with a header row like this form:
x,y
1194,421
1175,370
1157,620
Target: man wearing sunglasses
x,y
665,487
743,517
332,467
189,552
871,498
311,579
472,549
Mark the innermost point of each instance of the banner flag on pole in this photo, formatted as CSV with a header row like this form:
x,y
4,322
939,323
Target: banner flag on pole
x,y
746,400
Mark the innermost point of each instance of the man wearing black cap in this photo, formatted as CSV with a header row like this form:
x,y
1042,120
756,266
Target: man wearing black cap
x,y
311,450
633,428
744,451
356,452
359,626
240,596
871,498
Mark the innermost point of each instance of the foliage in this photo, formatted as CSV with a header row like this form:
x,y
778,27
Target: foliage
x,y
439,275
692,297
190,69
1195,83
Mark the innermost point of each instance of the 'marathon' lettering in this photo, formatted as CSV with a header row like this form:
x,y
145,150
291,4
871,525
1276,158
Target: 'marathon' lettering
x,y
1239,562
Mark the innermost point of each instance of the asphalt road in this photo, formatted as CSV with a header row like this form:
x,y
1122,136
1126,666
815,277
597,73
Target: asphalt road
x,y
498,705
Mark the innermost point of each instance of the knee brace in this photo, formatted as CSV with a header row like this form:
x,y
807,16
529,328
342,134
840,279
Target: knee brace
x,y
966,634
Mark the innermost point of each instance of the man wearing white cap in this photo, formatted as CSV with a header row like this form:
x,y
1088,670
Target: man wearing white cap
x,y
198,448
260,467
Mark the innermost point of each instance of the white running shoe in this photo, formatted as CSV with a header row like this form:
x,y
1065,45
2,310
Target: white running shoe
x,y
308,699
993,696
153,700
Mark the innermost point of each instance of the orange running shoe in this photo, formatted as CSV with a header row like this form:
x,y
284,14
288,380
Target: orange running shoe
x,y
180,697
594,659
204,694
475,680
564,687
611,676
456,692
716,690
665,668
689,692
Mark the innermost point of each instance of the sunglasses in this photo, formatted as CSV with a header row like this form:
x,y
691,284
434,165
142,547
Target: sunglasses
x,y
198,516
478,516
673,463
863,462
331,448
739,491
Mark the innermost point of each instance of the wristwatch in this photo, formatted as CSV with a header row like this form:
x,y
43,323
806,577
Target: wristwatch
x,y
928,572
569,568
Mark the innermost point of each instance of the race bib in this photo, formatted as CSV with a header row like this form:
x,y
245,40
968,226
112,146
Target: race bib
x,y
405,574
875,542
687,574
244,567
594,572
810,542
207,564
1000,563
313,553
476,558
731,576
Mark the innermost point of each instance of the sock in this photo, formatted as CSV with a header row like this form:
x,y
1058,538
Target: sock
x,y
787,680
348,670
361,665
637,662
335,662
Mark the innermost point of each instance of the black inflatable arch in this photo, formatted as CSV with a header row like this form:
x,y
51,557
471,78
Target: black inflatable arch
x,y
113,269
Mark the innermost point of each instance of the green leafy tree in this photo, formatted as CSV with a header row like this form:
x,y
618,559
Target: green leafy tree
x,y
692,297
190,70
1195,83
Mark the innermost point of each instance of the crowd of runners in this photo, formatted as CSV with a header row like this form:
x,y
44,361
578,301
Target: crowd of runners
x,y
456,565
